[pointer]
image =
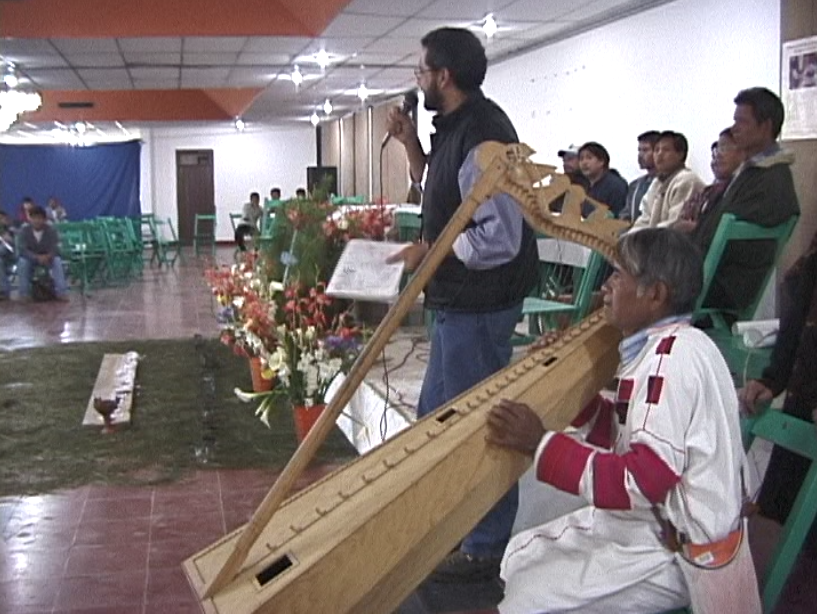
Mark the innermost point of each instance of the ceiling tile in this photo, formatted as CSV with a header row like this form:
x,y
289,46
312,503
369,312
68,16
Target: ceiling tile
x,y
140,57
395,44
155,44
85,45
156,84
113,84
378,7
95,59
346,25
529,10
25,46
204,77
276,44
249,77
98,74
154,72
264,59
471,10
542,31
417,28
57,79
368,59
209,59
338,45
207,44
36,61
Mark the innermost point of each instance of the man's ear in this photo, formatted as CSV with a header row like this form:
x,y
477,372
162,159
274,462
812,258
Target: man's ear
x,y
659,294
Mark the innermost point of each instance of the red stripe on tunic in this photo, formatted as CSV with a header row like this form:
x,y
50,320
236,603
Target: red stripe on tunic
x,y
652,475
562,463
601,434
654,386
609,489
625,390
665,345
586,415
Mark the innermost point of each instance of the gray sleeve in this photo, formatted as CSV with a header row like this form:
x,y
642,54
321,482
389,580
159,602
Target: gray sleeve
x,y
496,236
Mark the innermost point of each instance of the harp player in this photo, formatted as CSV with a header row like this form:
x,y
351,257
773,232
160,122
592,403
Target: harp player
x,y
659,465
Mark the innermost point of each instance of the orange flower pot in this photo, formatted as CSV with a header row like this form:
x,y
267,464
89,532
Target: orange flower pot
x,y
259,383
305,419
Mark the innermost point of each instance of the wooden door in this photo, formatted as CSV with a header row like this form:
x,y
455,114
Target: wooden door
x,y
194,189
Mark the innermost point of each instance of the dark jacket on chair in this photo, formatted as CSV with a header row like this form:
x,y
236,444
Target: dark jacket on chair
x,y
762,193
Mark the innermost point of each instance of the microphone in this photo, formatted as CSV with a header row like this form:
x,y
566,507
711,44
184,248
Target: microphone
x,y
410,101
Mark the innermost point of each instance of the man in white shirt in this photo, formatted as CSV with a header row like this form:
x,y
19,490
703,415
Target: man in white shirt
x,y
673,186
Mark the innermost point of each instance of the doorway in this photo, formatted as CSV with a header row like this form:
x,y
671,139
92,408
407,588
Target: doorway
x,y
194,190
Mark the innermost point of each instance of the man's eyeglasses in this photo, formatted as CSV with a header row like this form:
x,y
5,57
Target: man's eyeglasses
x,y
418,72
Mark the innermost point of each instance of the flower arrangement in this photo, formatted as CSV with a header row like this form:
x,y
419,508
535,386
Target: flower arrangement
x,y
314,345
247,320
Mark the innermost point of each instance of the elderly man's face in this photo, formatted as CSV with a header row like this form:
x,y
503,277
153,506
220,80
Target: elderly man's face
x,y
627,307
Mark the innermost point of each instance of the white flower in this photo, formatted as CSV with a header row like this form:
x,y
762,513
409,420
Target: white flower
x,y
276,286
246,397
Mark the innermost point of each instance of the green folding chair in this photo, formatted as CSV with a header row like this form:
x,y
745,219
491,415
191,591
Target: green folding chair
x,y
568,275
204,233
730,229
800,437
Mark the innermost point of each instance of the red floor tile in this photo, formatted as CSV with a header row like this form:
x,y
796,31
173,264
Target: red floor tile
x,y
117,509
104,531
111,558
169,586
171,553
102,590
27,596
28,564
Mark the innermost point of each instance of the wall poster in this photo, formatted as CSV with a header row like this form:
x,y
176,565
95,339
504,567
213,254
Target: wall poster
x,y
799,86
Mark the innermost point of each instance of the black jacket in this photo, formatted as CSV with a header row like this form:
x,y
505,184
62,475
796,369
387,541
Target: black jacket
x,y
454,287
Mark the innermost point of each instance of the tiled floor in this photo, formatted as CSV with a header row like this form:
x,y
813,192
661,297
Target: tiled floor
x,y
118,550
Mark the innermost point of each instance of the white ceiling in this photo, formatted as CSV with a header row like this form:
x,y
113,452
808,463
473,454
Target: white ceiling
x,y
371,41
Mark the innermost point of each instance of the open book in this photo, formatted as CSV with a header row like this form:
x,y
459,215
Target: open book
x,y
362,273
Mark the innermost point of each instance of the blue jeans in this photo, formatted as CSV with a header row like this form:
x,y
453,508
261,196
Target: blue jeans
x,y
466,348
25,268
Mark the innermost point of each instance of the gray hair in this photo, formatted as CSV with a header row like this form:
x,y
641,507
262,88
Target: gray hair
x,y
664,255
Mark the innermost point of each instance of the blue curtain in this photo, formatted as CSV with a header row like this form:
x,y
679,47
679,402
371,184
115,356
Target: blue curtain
x,y
88,181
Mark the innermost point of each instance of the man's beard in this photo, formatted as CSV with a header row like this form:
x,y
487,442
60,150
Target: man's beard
x,y
433,100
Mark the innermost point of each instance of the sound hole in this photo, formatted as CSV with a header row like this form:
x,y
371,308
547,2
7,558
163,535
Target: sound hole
x,y
550,361
446,415
273,570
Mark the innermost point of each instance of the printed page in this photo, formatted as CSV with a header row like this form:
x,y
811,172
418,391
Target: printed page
x,y
362,272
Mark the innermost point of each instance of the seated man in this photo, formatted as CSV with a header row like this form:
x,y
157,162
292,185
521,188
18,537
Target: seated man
x,y
252,212
570,166
56,212
606,185
39,246
761,192
663,459
274,198
638,187
726,158
674,183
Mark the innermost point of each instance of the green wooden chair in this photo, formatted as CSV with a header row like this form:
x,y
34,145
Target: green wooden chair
x,y
235,220
408,226
568,275
169,246
204,233
731,229
799,437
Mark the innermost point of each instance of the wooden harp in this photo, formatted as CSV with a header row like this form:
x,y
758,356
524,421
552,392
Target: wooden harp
x,y
364,537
